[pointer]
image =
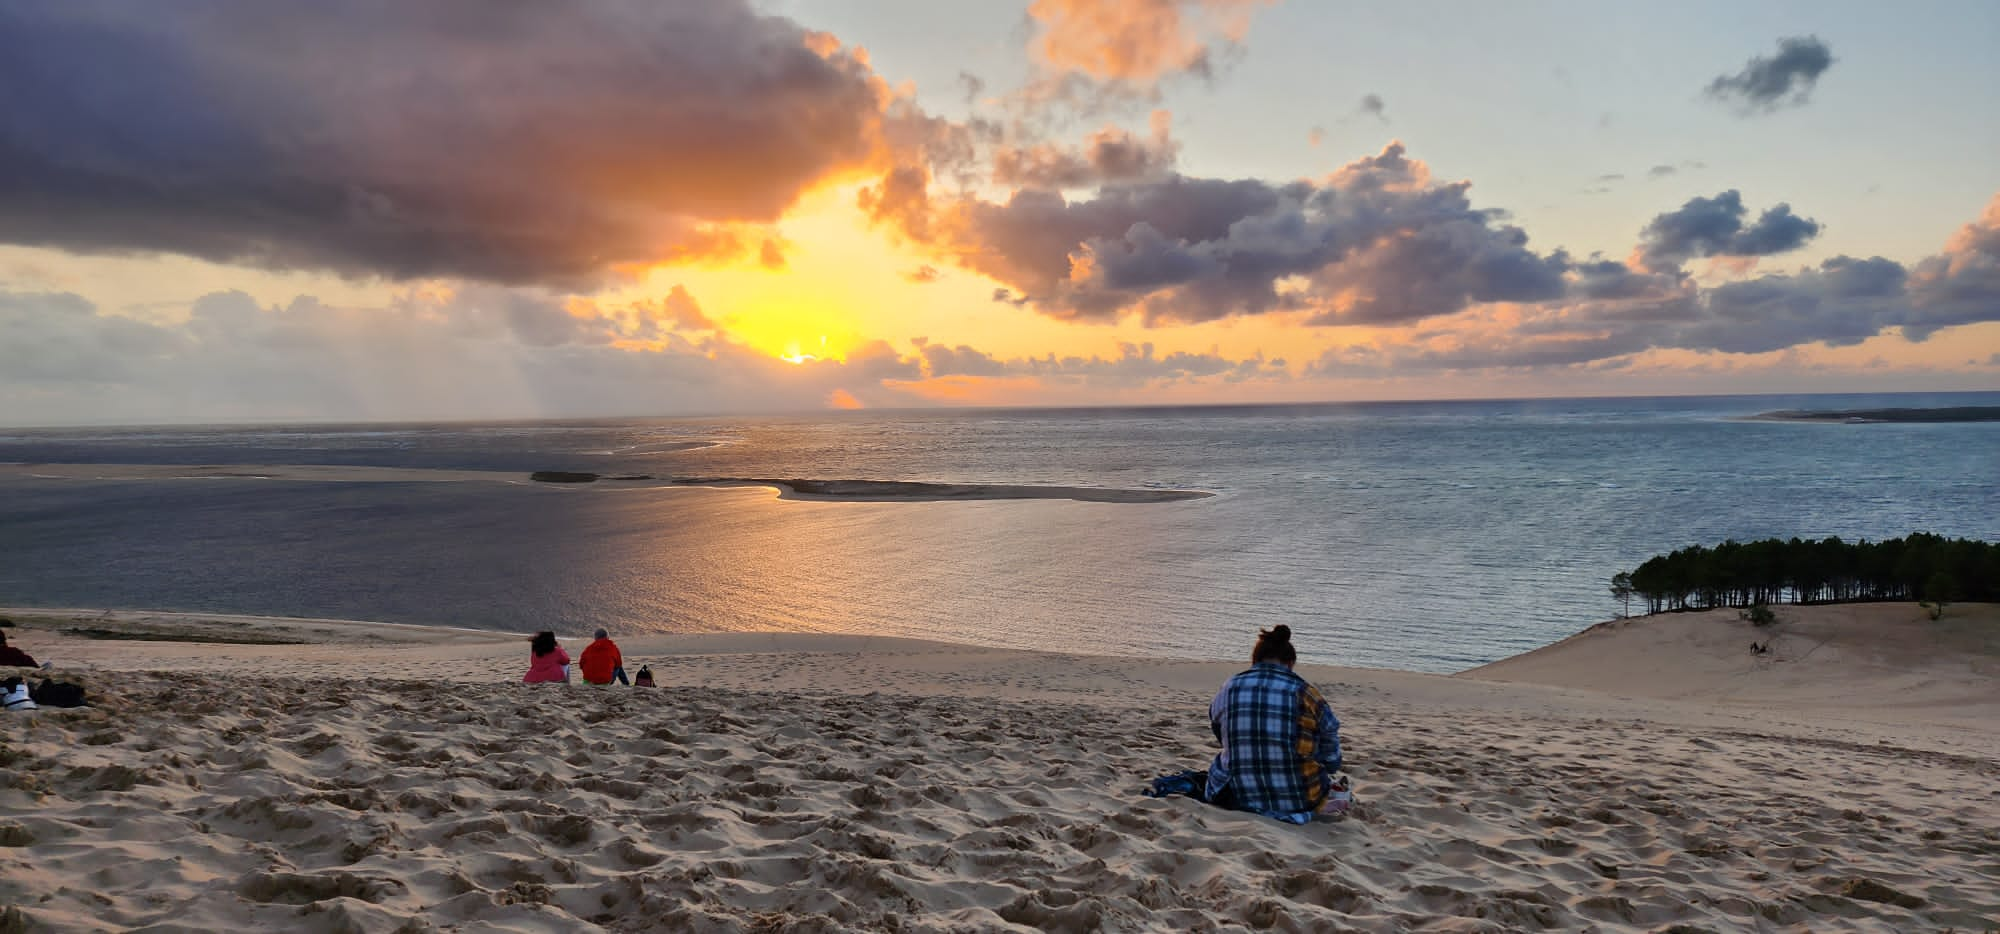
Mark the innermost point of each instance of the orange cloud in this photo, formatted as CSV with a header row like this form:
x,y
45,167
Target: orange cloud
x,y
1139,41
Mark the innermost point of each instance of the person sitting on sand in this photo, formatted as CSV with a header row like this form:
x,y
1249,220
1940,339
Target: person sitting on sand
x,y
546,659
601,662
1280,740
11,656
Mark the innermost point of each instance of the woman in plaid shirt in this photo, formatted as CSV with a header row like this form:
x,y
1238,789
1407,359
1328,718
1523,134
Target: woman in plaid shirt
x,y
1280,740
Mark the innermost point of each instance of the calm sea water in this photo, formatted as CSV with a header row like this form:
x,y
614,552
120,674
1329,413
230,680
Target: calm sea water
x,y
1422,536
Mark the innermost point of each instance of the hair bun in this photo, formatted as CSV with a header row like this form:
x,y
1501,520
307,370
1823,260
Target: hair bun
x,y
1281,633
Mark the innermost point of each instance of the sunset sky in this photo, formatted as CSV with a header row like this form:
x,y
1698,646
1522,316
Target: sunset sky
x,y
233,209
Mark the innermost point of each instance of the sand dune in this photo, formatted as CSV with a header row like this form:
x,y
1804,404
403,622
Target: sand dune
x,y
1885,662
395,779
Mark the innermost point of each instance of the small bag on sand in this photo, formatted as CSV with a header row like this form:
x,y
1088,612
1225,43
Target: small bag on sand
x,y
644,679
59,694
14,695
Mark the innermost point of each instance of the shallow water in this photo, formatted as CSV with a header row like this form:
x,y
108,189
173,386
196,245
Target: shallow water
x,y
1424,536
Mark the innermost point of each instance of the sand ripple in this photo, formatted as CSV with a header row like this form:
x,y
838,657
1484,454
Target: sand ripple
x,y
205,802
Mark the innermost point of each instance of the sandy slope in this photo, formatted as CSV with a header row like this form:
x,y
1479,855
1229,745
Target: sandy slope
x,y
385,778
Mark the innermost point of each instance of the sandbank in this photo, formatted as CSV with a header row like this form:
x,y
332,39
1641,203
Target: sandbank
x,y
877,491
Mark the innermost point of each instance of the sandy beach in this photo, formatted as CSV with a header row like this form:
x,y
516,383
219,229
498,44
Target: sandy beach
x,y
1645,775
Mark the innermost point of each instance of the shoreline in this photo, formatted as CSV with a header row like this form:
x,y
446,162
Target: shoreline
x,y
1823,661
1947,415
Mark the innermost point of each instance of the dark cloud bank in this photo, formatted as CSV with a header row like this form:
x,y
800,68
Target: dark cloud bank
x,y
510,142
1379,243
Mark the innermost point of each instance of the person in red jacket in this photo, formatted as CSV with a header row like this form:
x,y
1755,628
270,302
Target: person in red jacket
x,y
10,655
13,657
602,662
546,659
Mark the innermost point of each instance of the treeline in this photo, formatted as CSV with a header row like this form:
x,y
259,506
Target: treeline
x,y
1923,566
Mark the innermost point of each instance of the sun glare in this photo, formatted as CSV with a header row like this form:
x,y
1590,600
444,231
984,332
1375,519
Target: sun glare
x,y
794,355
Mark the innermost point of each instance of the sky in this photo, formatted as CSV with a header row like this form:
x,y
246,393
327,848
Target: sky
x,y
224,210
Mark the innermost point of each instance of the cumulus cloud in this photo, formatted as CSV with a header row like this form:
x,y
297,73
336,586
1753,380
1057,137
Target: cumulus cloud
x,y
1376,242
1843,301
1110,155
1782,80
1139,41
1714,227
1612,311
1962,284
512,143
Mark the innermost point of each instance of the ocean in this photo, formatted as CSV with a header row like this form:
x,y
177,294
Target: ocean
x,y
1425,536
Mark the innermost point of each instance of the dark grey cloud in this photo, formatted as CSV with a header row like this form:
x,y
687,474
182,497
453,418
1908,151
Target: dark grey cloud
x,y
1376,242
1612,311
1782,80
1660,171
1844,301
1598,279
1714,227
513,142
1371,104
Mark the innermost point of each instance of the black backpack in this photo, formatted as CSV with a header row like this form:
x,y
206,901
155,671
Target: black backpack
x,y
58,694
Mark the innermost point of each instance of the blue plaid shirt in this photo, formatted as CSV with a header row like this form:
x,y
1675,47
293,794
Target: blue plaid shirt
x,y
1280,742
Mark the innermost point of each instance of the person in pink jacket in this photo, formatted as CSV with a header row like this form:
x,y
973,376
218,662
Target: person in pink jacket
x,y
546,660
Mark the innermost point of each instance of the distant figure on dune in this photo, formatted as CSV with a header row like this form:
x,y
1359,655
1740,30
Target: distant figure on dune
x,y
1280,740
546,659
601,661
10,655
